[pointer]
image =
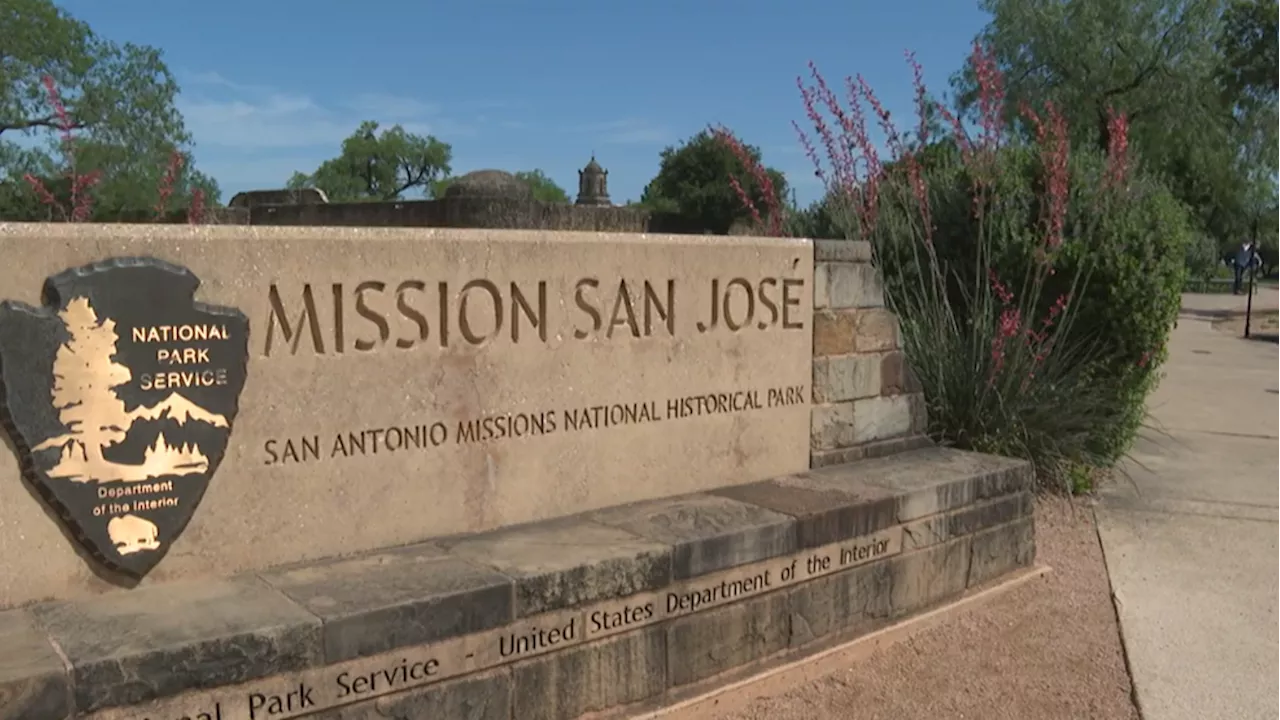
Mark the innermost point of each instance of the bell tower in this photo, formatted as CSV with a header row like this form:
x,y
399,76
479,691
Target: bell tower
x,y
593,184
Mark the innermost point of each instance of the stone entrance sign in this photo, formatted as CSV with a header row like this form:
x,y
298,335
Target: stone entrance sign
x,y
120,397
400,385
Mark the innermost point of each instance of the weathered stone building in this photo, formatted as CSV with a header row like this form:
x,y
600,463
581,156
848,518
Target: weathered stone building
x,y
489,199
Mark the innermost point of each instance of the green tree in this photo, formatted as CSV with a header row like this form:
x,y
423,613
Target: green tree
x,y
379,166
1249,79
117,100
694,183
544,188
1249,72
1196,79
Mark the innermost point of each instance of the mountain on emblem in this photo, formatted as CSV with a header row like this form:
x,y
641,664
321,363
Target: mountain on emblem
x,y
120,395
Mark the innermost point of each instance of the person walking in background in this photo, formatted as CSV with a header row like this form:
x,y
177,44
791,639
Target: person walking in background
x,y
1245,258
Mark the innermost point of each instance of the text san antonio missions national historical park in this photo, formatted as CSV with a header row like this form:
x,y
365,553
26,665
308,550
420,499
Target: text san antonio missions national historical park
x,y
375,316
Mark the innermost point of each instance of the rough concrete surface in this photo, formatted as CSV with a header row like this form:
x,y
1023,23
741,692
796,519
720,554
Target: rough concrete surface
x,y
1190,533
1048,649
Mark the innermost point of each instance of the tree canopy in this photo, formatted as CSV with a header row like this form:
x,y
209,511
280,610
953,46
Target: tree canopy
x,y
544,188
694,184
1196,79
380,166
118,101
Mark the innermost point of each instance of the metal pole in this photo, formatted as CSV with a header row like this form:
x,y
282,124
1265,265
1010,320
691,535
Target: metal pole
x,y
1248,306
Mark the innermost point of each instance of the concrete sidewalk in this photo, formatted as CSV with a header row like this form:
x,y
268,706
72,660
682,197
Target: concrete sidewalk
x,y
1190,536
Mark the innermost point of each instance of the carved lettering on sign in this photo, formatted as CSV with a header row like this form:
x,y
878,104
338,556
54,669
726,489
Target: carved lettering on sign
x,y
298,695
370,315
318,689
426,436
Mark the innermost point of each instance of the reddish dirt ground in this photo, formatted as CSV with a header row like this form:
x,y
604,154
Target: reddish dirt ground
x,y
1049,648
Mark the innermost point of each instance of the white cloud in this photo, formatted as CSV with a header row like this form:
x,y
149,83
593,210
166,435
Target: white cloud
x,y
392,107
223,113
209,77
255,136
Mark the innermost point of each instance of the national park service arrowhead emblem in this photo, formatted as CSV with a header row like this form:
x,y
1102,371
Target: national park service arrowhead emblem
x,y
120,395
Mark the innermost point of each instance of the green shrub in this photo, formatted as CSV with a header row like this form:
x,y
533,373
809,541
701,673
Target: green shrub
x,y
1036,284
1203,259
817,222
1135,260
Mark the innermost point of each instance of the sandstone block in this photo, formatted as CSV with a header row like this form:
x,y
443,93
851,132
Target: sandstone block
x,y
413,382
845,377
706,532
1002,549
568,562
867,451
1015,476
852,285
33,681
847,251
160,640
834,332
877,418
896,375
991,513
826,508
877,330
936,479
407,596
832,426
926,577
821,287
708,643
857,599
486,696
943,527
592,677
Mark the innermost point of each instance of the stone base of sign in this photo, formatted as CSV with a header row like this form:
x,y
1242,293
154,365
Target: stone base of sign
x,y
737,691
625,606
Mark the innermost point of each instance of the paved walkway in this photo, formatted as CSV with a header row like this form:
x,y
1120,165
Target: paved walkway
x,y
1190,536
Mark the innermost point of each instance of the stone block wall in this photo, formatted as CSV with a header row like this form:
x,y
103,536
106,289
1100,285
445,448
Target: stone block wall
x,y
616,610
866,400
456,212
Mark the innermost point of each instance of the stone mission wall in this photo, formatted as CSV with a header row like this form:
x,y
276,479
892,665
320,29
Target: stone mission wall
x,y
457,212
866,400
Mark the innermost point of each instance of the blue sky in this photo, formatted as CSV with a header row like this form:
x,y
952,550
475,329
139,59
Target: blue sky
x,y
273,86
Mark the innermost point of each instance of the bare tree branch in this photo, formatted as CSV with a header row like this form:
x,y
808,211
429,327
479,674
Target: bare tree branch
x,y
50,121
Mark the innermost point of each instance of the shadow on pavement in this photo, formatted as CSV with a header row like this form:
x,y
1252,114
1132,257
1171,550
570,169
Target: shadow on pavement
x,y
1217,314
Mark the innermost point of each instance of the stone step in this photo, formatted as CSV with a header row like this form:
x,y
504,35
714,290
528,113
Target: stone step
x,y
547,620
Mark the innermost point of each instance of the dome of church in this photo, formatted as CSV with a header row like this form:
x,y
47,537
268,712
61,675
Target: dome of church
x,y
489,183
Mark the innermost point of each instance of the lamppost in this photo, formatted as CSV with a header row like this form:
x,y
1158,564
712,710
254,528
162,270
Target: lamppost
x,y
1253,271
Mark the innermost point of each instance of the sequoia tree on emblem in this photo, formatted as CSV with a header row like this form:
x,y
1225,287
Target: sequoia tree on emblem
x,y
120,395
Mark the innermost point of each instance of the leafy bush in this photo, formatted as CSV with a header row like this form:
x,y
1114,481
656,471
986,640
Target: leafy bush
x,y
819,221
1035,286
1203,258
